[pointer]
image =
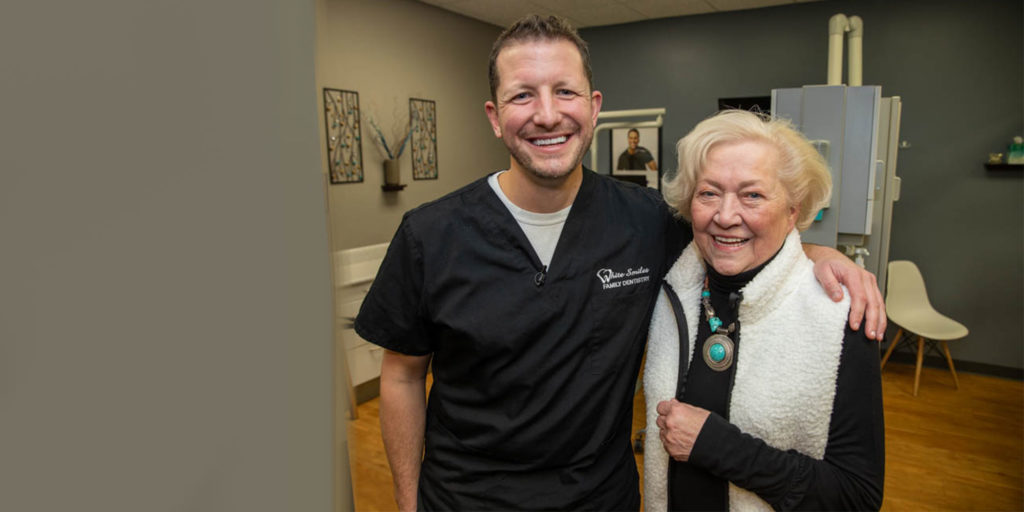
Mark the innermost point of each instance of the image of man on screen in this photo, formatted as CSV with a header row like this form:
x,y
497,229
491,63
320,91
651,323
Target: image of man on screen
x,y
636,157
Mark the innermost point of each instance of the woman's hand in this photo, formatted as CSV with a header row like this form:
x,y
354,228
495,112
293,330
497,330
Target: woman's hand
x,y
679,426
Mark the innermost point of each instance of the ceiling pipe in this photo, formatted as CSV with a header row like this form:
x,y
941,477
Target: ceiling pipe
x,y
855,71
837,26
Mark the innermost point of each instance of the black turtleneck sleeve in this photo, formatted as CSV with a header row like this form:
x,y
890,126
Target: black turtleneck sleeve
x,y
851,474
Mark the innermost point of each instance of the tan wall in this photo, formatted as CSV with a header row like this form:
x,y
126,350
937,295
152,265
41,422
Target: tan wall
x,y
389,51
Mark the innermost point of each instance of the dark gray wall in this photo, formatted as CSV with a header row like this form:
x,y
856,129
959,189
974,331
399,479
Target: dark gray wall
x,y
957,67
165,296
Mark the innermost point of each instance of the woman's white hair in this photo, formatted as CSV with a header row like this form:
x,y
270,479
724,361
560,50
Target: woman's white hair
x,y
802,171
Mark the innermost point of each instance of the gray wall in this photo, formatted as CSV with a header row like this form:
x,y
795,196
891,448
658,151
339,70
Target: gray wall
x,y
958,68
165,321
389,51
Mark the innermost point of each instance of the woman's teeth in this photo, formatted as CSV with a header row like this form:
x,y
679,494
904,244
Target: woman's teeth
x,y
548,142
729,241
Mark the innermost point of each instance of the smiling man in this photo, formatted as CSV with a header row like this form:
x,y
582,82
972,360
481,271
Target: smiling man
x,y
546,119
529,292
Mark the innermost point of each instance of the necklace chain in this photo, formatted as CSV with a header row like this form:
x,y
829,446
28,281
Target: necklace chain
x,y
709,313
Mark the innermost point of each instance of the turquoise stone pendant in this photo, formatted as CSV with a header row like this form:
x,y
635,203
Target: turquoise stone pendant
x,y
718,352
714,322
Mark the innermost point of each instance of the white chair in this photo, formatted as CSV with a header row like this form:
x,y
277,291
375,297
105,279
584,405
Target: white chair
x,y
907,305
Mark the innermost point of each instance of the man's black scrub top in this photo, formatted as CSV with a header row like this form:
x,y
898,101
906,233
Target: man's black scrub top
x,y
534,369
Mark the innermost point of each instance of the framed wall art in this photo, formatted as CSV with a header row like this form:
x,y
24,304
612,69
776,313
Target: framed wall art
x,y
636,155
423,121
344,143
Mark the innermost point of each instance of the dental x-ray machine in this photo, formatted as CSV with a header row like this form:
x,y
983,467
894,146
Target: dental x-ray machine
x,y
857,131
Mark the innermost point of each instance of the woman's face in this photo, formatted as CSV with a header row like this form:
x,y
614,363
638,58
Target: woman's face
x,y
741,212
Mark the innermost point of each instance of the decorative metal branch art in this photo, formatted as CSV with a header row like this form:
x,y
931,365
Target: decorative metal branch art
x,y
344,144
423,118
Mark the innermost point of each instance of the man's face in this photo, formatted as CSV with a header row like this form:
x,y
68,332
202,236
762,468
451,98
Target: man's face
x,y
634,141
545,111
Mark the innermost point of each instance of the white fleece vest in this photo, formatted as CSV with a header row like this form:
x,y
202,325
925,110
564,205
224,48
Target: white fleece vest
x,y
791,336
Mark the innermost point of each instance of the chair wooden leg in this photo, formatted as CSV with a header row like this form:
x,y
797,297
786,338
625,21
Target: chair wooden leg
x,y
949,359
920,357
892,345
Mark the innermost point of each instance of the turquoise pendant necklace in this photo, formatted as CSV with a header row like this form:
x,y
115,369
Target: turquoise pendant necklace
x,y
719,349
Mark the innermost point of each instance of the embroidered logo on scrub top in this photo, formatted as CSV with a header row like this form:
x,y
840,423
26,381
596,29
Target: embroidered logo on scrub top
x,y
632,276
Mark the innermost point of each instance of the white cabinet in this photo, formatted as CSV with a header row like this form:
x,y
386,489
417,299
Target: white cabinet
x,y
364,362
354,271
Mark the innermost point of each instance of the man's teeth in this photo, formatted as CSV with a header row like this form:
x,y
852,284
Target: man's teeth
x,y
548,142
724,240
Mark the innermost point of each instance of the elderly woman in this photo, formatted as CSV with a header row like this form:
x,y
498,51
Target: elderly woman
x,y
763,395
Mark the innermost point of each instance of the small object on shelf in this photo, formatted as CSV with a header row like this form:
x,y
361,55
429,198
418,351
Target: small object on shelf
x,y
995,158
1016,153
392,172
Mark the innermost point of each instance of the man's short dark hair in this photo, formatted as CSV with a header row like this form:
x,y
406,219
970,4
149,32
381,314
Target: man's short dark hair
x,y
632,130
537,28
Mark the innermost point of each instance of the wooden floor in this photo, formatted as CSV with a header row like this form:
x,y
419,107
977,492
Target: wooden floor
x,y
945,449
